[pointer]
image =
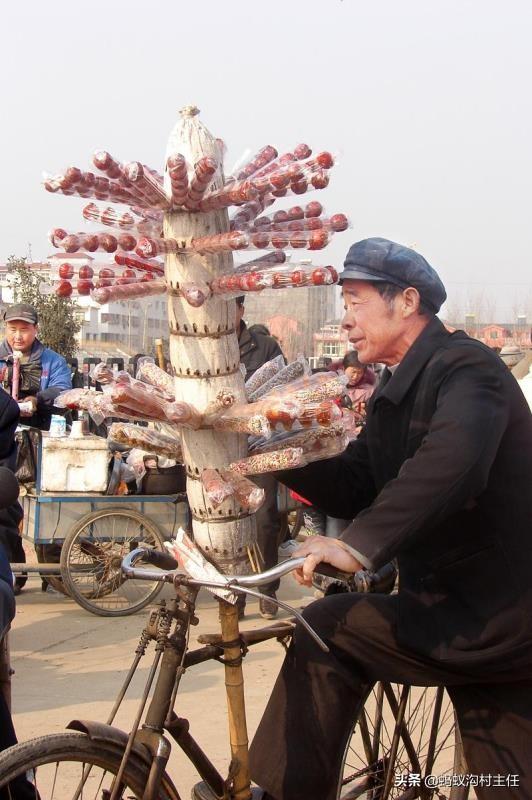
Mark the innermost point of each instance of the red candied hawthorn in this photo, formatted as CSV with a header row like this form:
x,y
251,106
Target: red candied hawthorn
x,y
339,222
66,271
70,244
302,151
318,240
296,212
64,289
299,277
85,287
279,240
320,180
313,209
280,216
299,187
261,240
86,272
127,242
109,243
325,160
298,239
90,242
320,276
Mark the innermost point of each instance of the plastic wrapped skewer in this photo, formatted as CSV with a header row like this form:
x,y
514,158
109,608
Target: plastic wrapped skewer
x,y
128,260
147,439
99,241
263,374
313,388
296,369
264,156
128,291
275,461
177,170
148,372
216,488
248,494
292,276
108,216
149,186
89,185
236,240
336,223
204,172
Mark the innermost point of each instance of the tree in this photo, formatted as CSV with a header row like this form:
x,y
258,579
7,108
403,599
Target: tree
x,y
57,321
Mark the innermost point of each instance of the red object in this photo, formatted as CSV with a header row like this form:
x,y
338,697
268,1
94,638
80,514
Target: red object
x,y
325,160
106,272
64,289
86,272
127,242
66,271
85,287
109,243
299,498
90,242
296,212
302,151
318,240
339,222
313,209
320,180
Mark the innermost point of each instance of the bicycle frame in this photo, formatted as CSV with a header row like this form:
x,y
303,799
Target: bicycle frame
x,y
172,658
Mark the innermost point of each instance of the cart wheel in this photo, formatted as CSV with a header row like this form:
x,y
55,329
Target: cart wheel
x,y
91,560
50,554
291,523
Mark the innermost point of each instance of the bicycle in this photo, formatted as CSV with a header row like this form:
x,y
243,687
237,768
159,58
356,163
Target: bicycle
x,y
414,734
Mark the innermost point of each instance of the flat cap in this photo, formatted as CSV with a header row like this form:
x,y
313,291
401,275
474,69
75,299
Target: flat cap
x,y
21,311
379,259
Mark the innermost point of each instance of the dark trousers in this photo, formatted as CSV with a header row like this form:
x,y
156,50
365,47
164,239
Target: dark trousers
x,y
268,526
297,751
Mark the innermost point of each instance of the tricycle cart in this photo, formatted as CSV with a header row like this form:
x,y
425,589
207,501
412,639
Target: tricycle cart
x,y
80,539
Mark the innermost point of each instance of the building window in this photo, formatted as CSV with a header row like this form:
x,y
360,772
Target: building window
x,y
494,334
331,349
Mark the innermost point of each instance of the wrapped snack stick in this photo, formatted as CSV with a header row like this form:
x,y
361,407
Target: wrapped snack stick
x,y
216,488
128,291
99,405
203,174
181,413
248,494
315,388
177,170
239,420
303,438
290,458
264,374
127,260
146,439
232,194
291,372
149,372
148,186
259,161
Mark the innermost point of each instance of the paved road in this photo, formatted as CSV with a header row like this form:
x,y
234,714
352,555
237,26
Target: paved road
x,y
70,664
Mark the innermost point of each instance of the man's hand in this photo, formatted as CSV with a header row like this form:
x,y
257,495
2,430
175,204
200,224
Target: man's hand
x,y
318,549
28,410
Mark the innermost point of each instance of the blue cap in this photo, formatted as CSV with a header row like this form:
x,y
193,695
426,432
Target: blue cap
x,y
379,259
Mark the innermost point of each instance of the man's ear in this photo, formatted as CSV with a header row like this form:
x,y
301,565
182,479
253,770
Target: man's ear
x,y
410,302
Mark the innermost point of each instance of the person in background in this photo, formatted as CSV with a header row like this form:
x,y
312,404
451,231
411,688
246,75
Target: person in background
x,y
43,373
255,350
361,381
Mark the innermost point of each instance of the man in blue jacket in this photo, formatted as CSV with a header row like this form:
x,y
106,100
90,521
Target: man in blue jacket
x,y
43,372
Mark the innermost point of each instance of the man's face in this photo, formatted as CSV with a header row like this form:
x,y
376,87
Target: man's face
x,y
373,325
20,335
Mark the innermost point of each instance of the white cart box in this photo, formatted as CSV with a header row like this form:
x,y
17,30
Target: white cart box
x,y
74,465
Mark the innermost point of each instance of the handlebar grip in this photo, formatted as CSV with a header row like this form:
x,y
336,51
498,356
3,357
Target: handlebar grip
x,y
161,559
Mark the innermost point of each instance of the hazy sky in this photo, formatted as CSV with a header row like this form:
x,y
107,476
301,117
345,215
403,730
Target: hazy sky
x,y
427,103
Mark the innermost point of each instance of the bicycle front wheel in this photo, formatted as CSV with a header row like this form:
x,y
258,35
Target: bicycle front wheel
x,y
404,745
70,765
91,561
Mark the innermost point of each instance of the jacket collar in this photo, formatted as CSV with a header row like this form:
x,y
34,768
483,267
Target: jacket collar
x,y
37,349
246,342
394,387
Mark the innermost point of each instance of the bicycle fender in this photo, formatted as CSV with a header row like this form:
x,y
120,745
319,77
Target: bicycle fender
x,y
100,732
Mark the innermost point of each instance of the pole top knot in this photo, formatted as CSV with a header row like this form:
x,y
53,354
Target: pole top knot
x,y
189,111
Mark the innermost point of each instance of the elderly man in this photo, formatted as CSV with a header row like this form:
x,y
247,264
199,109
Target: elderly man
x,y
440,480
43,372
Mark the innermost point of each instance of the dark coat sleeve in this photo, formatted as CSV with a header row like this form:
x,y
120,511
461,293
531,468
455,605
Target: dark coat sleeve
x,y
449,469
9,418
340,486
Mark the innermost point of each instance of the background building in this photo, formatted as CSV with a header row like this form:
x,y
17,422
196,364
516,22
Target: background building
x,y
292,316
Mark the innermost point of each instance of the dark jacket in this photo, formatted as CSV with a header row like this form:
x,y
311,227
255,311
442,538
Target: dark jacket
x,y
9,517
441,479
256,349
53,377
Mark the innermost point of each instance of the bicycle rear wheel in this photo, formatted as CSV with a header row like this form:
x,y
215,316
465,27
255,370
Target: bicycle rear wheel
x,y
91,561
404,735
70,765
